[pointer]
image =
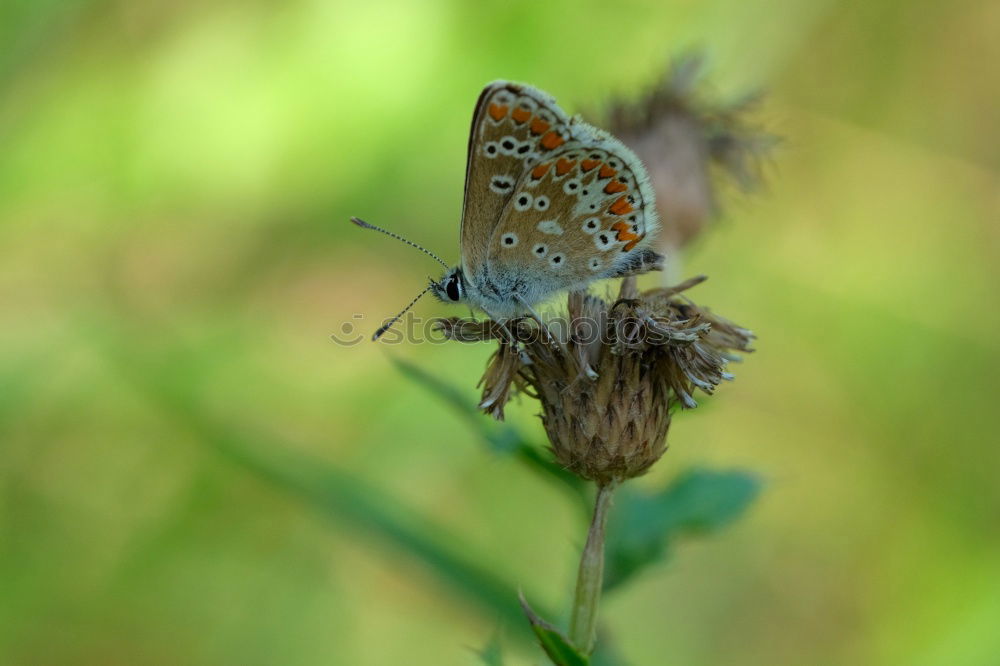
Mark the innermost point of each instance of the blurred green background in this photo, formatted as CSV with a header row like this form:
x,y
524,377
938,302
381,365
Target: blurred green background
x,y
191,472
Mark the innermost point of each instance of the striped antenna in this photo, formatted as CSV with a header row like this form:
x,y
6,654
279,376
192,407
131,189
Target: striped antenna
x,y
364,225
387,325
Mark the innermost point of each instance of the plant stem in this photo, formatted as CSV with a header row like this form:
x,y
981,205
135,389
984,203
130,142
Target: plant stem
x,y
583,623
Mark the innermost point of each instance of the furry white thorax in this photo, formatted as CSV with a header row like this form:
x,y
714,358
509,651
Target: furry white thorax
x,y
501,297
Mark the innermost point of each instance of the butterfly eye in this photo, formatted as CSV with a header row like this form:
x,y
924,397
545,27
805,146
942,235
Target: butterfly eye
x,y
542,203
571,186
523,201
540,250
508,239
557,259
591,225
452,289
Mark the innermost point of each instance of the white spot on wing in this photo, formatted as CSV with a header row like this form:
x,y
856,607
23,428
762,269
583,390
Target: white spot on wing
x,y
604,241
508,145
571,186
591,199
501,184
523,149
504,98
508,240
550,227
527,103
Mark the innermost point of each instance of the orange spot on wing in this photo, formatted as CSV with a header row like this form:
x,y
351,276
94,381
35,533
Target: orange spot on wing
x,y
520,115
538,125
552,140
587,165
615,186
623,231
606,172
540,170
621,206
632,244
563,166
498,111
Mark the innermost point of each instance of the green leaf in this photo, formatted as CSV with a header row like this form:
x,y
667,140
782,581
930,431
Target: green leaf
x,y
500,438
643,525
559,648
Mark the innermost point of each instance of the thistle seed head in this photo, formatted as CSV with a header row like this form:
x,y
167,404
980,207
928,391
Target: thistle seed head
x,y
608,374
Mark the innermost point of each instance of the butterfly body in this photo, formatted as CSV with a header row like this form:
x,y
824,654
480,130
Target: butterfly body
x,y
551,204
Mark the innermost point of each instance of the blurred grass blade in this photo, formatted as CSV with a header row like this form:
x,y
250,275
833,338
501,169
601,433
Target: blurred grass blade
x,y
492,654
643,525
333,493
501,438
556,645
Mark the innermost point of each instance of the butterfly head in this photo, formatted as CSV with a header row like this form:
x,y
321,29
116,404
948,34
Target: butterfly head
x,y
451,288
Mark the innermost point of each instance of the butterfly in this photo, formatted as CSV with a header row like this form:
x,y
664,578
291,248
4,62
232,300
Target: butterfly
x,y
551,204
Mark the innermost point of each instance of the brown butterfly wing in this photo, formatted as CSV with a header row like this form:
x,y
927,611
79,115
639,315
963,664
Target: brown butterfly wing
x,y
512,126
583,212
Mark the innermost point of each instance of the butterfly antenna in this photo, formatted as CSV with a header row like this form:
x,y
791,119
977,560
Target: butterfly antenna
x,y
387,325
364,225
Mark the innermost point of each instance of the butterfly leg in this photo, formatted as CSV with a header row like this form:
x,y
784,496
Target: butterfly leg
x,y
507,335
537,317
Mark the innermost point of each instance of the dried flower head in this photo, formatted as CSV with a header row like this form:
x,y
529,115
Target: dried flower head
x,y
609,374
680,133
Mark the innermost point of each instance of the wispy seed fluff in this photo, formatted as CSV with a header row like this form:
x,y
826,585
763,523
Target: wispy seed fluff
x,y
688,138
609,374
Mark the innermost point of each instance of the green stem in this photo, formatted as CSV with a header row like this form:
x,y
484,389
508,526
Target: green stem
x,y
583,624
